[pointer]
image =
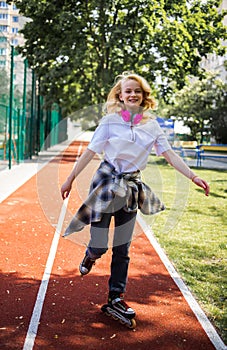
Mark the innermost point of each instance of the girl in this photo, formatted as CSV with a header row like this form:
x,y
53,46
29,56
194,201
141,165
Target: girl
x,y
125,135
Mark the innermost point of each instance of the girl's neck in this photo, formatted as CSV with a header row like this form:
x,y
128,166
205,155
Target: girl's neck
x,y
137,110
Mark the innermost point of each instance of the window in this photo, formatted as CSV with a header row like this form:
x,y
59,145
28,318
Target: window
x,y
2,63
14,42
15,19
14,30
3,39
2,51
3,15
3,28
3,4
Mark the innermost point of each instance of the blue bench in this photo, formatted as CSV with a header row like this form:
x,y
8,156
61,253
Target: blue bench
x,y
202,152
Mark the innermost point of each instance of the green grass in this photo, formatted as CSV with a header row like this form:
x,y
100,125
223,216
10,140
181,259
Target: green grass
x,y
193,232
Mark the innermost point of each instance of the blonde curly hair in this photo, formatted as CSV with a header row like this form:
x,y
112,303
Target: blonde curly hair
x,y
113,103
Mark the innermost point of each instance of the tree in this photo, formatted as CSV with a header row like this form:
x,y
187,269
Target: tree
x,y
77,47
202,106
219,117
4,90
4,87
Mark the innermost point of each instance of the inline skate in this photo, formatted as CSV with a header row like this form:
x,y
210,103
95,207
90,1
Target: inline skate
x,y
119,310
86,265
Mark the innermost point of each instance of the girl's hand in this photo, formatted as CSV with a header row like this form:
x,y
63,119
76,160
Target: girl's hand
x,y
65,189
201,183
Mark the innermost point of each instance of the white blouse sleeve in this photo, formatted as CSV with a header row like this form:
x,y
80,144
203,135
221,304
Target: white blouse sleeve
x,y
161,143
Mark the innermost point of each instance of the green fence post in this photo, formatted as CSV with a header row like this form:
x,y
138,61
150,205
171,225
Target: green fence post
x,y
17,133
54,125
24,110
41,125
39,119
11,106
48,129
31,144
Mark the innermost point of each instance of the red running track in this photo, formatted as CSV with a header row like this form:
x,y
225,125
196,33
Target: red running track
x,y
70,317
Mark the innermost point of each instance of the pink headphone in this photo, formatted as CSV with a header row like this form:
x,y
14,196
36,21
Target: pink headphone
x,y
127,117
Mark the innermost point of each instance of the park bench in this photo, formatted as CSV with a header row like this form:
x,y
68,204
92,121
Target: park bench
x,y
213,151
184,148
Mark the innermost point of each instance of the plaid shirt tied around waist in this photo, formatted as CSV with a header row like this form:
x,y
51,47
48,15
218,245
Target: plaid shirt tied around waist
x,y
109,192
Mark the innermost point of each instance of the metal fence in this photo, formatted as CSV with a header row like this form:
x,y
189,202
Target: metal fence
x,y
24,134
26,125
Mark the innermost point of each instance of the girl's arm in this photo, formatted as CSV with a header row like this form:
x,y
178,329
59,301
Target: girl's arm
x,y
80,165
174,160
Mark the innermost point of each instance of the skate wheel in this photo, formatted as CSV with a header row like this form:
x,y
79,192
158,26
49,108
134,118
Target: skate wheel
x,y
122,322
104,310
132,324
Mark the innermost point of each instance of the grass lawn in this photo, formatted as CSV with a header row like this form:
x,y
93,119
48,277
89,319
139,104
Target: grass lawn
x,y
193,232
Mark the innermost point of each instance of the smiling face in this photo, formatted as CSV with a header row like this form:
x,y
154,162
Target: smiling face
x,y
131,94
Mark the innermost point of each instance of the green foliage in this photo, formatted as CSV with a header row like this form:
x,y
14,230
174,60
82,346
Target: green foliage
x,y
77,47
202,106
4,90
4,87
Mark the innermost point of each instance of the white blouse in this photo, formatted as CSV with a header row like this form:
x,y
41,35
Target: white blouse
x,y
127,146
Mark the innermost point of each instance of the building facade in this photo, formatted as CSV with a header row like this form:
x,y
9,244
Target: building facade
x,y
10,24
213,62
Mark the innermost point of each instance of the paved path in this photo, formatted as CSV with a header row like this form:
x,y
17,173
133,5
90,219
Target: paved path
x,y
45,304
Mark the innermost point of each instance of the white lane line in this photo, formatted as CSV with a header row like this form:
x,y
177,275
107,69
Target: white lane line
x,y
36,314
200,315
34,322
